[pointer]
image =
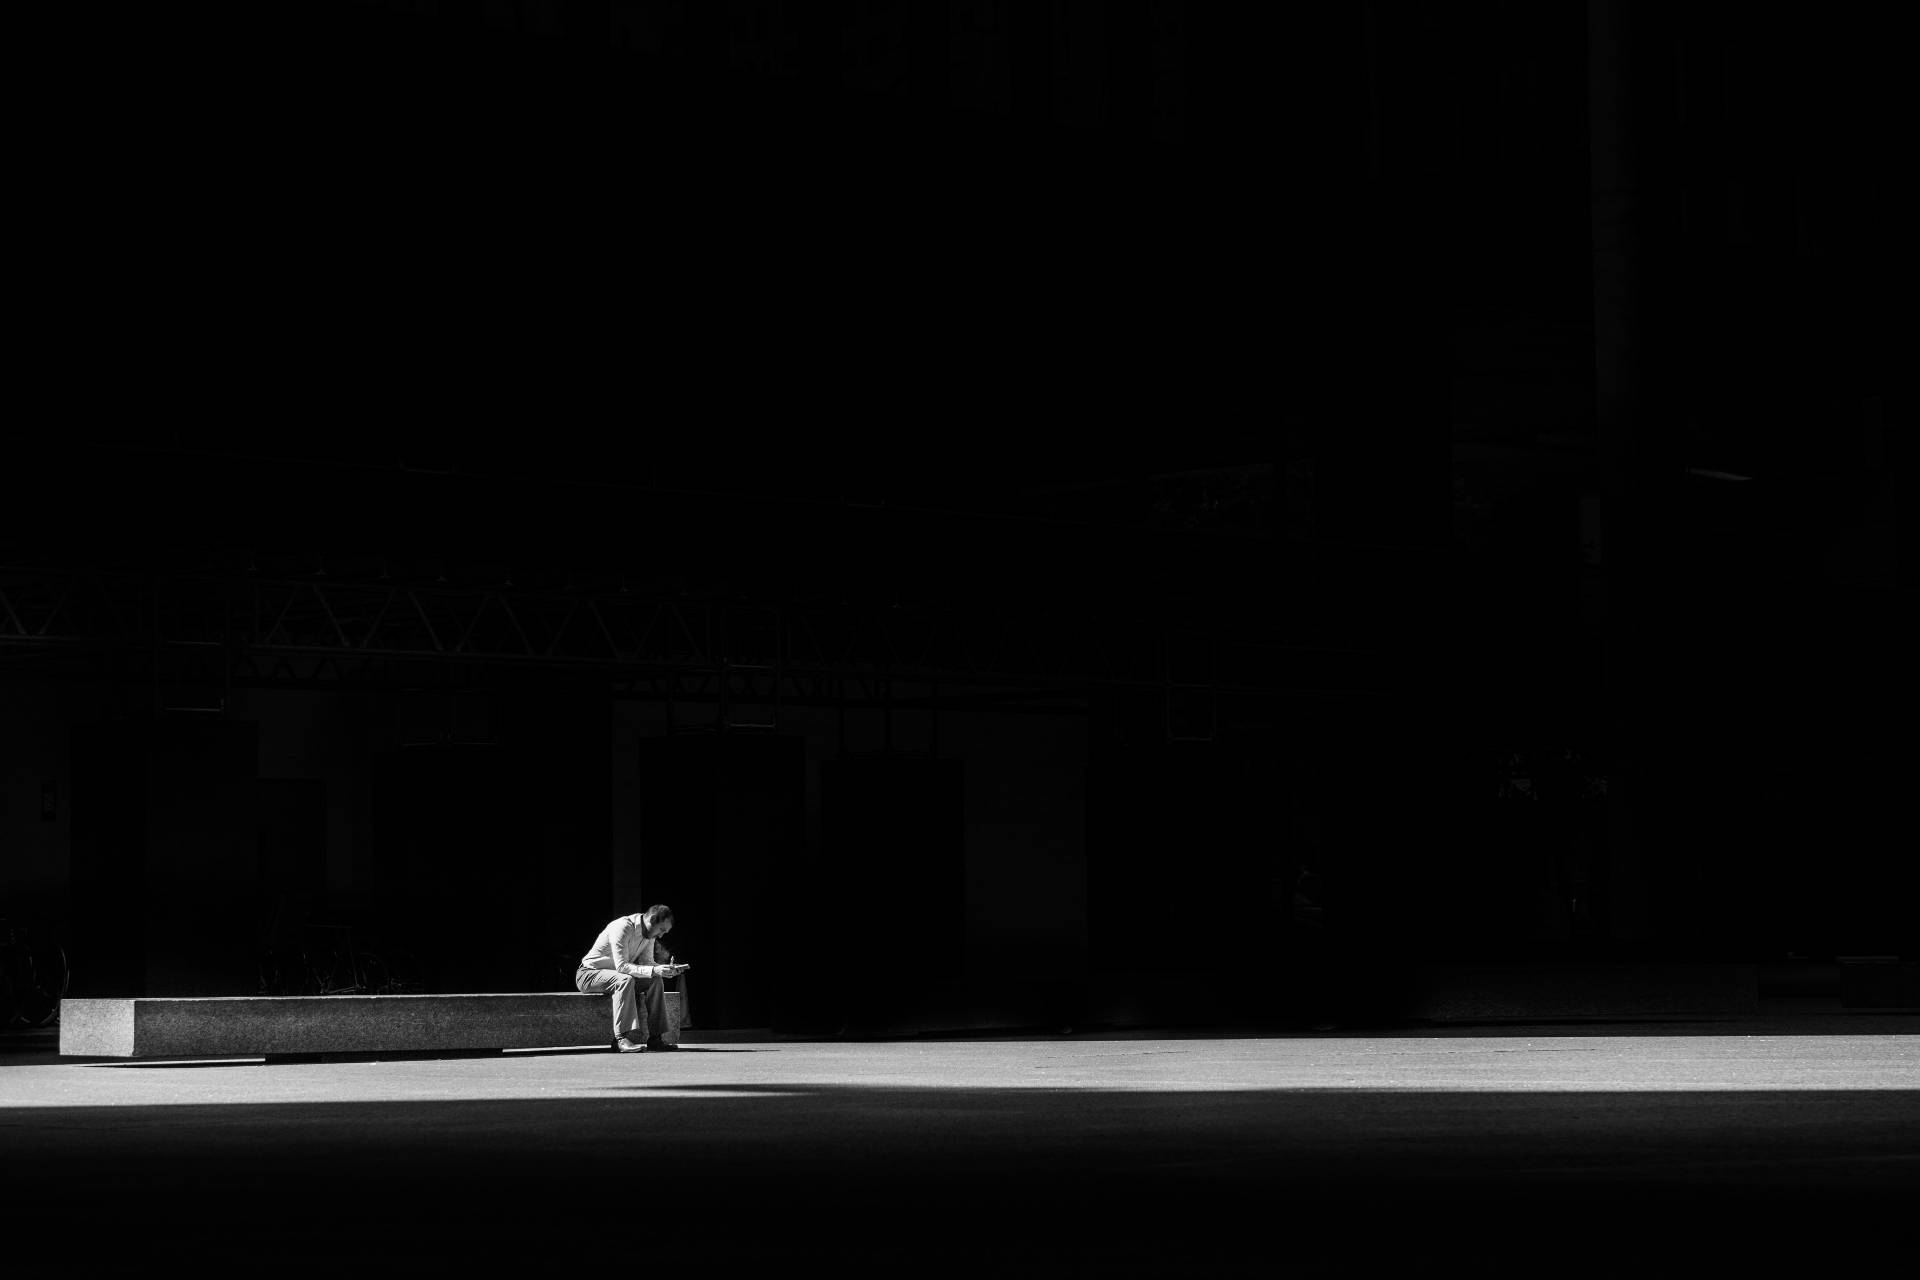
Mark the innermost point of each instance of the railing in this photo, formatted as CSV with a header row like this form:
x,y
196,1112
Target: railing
x,y
198,636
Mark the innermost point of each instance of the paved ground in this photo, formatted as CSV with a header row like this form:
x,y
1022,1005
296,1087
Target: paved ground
x,y
1582,1147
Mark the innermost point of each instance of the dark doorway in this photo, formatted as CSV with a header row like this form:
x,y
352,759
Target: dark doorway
x,y
722,841
290,853
164,856
1190,865
108,805
894,845
456,876
290,836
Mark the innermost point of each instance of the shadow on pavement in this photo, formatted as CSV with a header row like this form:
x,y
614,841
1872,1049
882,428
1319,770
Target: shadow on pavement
x,y
993,1179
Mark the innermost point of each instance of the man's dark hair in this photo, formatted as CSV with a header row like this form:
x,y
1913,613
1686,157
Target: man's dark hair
x,y
659,913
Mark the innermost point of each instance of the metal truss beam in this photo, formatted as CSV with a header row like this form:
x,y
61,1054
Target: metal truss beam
x,y
213,629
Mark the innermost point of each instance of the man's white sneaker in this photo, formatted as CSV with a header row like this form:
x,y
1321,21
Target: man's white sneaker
x,y
625,1045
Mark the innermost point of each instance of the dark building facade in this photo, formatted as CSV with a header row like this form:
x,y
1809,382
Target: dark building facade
x,y
1007,475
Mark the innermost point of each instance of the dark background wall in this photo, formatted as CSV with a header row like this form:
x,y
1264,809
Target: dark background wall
x,y
1399,348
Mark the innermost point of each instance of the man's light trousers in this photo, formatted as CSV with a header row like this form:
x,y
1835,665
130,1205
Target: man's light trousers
x,y
627,992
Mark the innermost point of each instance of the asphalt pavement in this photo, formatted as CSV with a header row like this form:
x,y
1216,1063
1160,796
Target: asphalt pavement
x,y
1578,1146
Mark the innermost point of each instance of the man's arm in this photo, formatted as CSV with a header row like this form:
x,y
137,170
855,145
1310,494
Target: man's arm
x,y
622,961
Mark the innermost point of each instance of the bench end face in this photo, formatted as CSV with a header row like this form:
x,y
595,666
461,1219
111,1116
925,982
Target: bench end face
x,y
96,1028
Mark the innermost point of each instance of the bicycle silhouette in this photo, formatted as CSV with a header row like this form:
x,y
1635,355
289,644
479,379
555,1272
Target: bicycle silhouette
x,y
34,978
329,961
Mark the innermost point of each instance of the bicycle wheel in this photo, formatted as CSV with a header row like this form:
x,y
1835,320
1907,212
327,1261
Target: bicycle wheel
x,y
9,1003
51,978
406,972
374,977
315,976
395,970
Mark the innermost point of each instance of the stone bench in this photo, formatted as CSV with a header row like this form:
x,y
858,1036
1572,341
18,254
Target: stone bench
x,y
283,1027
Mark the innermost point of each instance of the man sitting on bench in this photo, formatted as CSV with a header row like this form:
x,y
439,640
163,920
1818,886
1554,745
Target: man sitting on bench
x,y
622,958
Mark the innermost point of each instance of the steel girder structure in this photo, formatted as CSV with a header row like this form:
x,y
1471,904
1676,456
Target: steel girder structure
x,y
201,635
